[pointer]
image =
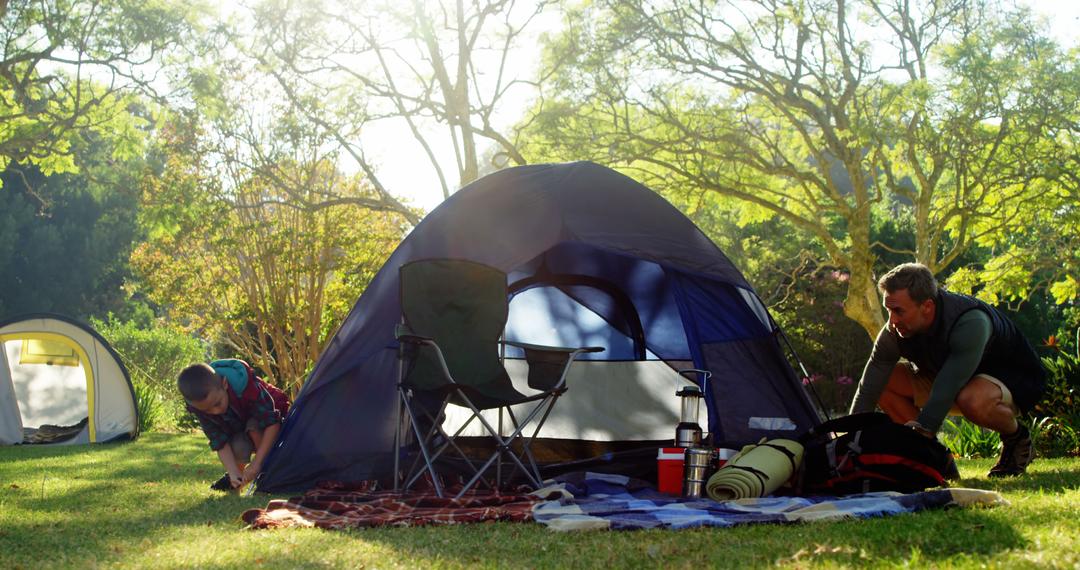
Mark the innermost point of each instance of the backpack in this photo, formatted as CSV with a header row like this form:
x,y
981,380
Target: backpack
x,y
868,452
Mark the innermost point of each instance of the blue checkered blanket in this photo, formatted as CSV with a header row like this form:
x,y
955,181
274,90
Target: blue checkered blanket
x,y
598,501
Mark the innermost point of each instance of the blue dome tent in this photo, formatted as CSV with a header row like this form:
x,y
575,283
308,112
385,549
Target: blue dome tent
x,y
593,258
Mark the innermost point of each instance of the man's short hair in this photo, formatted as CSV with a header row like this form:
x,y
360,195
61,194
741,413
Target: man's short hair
x,y
196,381
915,277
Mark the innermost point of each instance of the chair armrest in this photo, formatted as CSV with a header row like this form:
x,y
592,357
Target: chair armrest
x,y
416,339
554,349
405,334
548,365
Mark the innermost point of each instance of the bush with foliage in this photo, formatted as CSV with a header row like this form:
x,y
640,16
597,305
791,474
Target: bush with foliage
x,y
1062,387
835,394
832,347
1058,414
151,409
966,439
1053,437
154,355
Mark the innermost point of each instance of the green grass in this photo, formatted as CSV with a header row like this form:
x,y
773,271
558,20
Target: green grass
x,y
146,504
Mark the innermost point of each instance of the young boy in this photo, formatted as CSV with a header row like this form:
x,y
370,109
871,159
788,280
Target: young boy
x,y
239,413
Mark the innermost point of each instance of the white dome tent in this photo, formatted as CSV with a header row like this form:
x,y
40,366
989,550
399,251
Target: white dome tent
x,y
61,383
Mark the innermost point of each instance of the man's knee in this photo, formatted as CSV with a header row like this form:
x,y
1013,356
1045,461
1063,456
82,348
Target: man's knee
x,y
981,399
972,403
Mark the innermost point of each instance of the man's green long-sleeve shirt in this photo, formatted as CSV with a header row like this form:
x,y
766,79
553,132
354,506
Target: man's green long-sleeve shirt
x,y
967,342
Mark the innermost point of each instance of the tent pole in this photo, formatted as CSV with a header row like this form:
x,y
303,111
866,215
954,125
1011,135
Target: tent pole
x,y
397,426
795,355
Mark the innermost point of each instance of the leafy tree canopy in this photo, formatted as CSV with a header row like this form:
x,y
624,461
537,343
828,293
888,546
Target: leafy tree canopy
x,y
246,264
67,66
65,238
826,115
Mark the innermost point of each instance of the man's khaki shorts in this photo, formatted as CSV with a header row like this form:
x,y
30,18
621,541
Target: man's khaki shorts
x,y
921,385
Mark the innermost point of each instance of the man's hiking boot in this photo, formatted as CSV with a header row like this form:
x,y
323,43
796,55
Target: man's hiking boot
x,y
951,472
1017,452
223,484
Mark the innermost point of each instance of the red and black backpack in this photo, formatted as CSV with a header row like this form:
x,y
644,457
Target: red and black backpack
x,y
868,452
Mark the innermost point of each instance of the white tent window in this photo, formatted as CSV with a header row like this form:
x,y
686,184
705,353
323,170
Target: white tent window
x,y
629,400
53,395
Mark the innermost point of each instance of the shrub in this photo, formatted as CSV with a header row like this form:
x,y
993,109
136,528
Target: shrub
x,y
1054,438
832,347
1058,413
1062,399
154,356
835,394
151,411
969,440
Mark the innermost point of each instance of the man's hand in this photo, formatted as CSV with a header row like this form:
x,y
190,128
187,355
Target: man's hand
x,y
919,429
236,479
251,471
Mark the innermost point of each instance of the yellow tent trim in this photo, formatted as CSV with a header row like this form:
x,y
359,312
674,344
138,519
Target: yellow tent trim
x,y
54,338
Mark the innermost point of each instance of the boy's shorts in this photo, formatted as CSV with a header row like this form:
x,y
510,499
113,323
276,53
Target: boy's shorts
x,y
921,385
242,445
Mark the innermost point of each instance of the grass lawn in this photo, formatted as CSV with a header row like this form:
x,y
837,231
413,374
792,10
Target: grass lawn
x,y
146,504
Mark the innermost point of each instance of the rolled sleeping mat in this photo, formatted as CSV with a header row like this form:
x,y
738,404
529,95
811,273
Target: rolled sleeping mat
x,y
756,471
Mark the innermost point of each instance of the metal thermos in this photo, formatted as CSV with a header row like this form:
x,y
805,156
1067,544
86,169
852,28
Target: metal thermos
x,y
696,464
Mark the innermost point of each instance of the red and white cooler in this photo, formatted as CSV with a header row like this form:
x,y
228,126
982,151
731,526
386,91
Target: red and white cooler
x,y
669,470
669,467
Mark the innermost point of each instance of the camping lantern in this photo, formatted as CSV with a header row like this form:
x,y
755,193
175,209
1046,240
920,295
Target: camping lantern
x,y
688,434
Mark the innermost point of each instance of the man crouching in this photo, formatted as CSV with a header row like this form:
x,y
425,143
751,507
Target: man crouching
x,y
961,356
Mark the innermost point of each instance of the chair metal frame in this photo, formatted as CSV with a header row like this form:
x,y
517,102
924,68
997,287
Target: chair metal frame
x,y
545,401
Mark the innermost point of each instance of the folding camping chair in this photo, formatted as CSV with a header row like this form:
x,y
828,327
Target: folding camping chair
x,y
454,313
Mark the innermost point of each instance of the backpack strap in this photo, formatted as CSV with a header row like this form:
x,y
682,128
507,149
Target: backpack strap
x,y
830,455
847,424
853,445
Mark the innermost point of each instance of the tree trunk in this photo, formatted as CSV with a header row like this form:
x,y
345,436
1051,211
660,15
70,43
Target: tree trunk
x,y
862,304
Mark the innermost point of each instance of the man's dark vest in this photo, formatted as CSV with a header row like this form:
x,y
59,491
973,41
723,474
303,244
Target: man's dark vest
x,y
1008,356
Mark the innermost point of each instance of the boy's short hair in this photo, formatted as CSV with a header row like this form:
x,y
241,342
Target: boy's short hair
x,y
197,381
915,277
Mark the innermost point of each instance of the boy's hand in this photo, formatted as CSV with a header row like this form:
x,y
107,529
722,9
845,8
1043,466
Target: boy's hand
x,y
236,480
252,471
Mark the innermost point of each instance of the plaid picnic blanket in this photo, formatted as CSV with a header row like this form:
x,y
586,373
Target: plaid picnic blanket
x,y
583,501
619,503
334,505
